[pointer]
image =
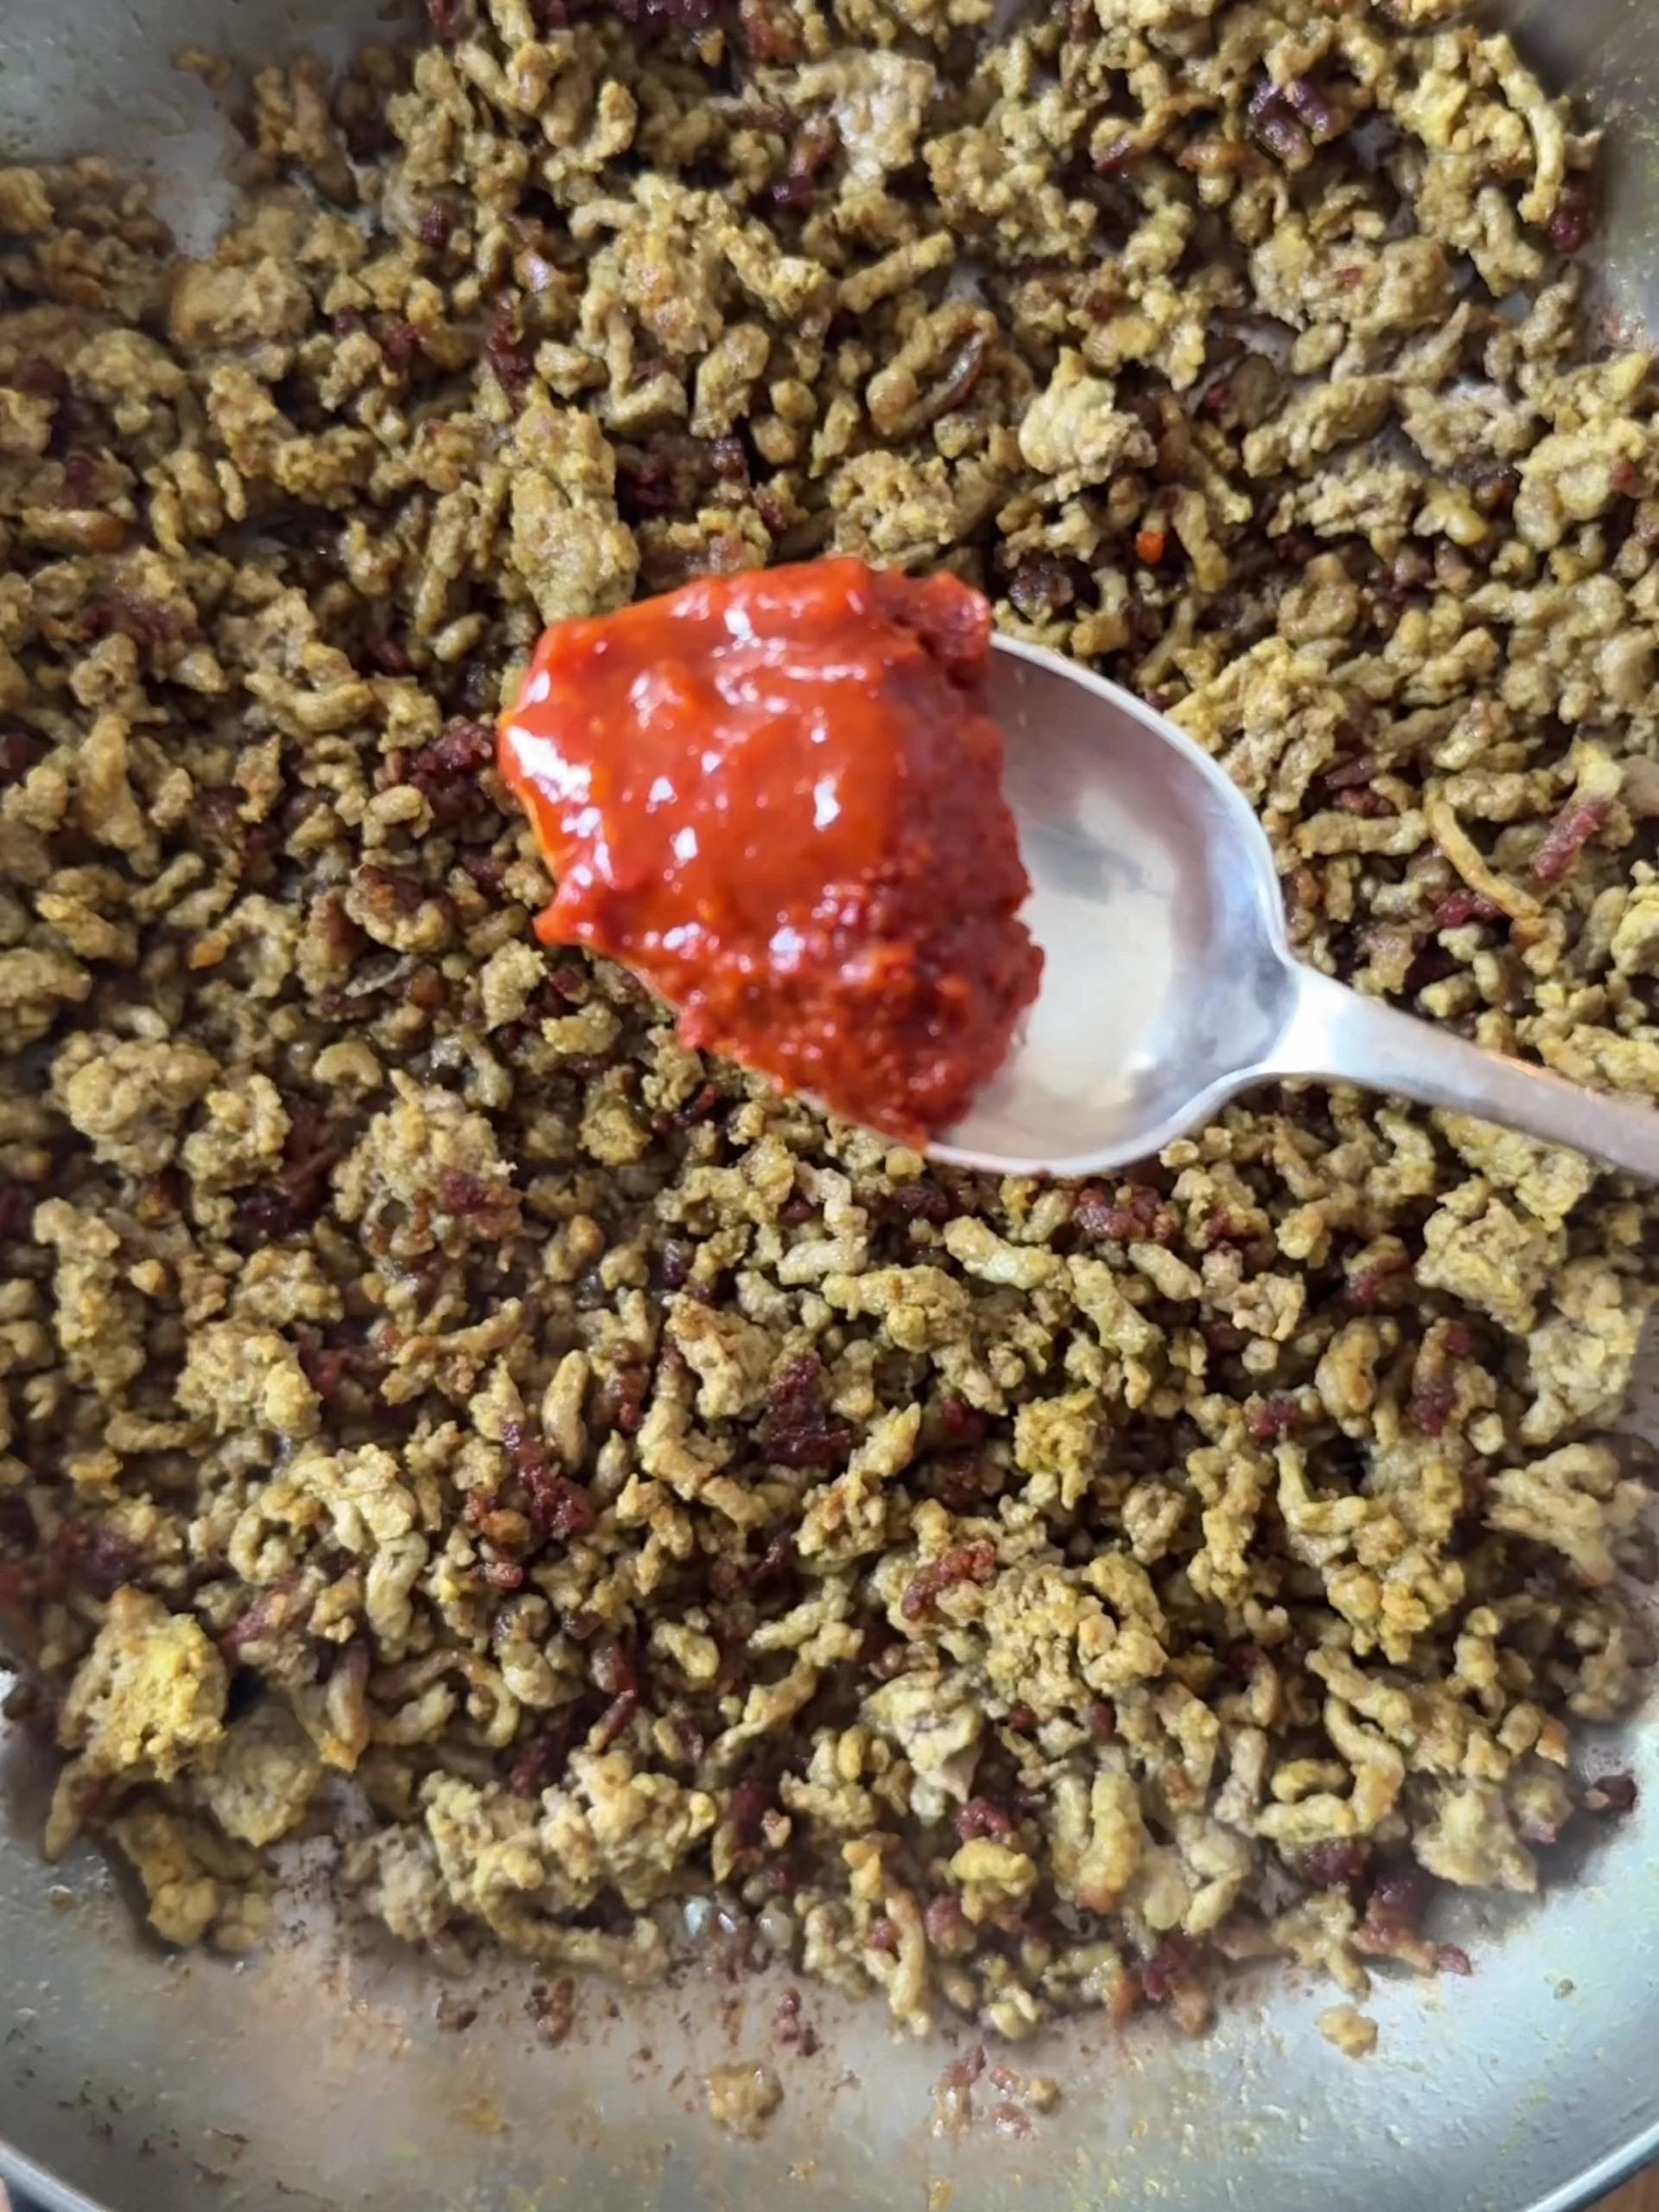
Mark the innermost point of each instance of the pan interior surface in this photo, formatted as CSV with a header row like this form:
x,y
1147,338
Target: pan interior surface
x,y
320,2074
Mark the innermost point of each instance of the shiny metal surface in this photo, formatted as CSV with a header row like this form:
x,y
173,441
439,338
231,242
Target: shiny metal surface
x,y
313,2081
1168,986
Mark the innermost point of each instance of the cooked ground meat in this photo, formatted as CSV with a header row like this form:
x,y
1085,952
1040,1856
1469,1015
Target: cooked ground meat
x,y
1008,1598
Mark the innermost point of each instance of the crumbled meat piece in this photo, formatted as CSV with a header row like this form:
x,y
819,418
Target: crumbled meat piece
x,y
150,1697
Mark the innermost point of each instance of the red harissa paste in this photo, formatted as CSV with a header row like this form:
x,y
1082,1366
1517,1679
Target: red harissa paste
x,y
777,797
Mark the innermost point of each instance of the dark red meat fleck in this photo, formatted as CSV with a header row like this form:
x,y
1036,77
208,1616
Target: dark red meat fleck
x,y
1366,1284
1611,1793
1393,1911
1347,774
41,378
16,1207
919,1201
674,1263
94,1558
704,1101
1432,1394
386,654
614,1719
1174,1961
963,1426
399,341
1369,805
1312,106
1273,122
947,1926
621,1399
790,2029
985,1816
131,615
728,1576
1272,1420
973,1562
751,1802
797,1429
19,750
1567,837
269,1611
327,1367
559,1508
1574,219
1138,1216
963,1480
1295,547
296,1194
814,145
1458,908
508,352
1041,587
447,771
1336,1864
1452,1958
542,1761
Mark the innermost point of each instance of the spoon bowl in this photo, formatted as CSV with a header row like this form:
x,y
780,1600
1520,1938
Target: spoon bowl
x,y
1168,983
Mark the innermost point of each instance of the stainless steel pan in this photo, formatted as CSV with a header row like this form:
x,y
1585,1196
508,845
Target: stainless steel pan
x,y
317,2078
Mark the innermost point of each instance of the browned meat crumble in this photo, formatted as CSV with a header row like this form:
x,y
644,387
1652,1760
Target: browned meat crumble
x,y
664,1506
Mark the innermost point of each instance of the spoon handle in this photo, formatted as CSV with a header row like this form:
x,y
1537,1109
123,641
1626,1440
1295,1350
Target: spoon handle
x,y
1334,1032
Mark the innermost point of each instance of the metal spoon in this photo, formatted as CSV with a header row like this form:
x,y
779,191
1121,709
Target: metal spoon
x,y
1169,985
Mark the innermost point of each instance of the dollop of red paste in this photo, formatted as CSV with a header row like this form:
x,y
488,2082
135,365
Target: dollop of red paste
x,y
777,797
